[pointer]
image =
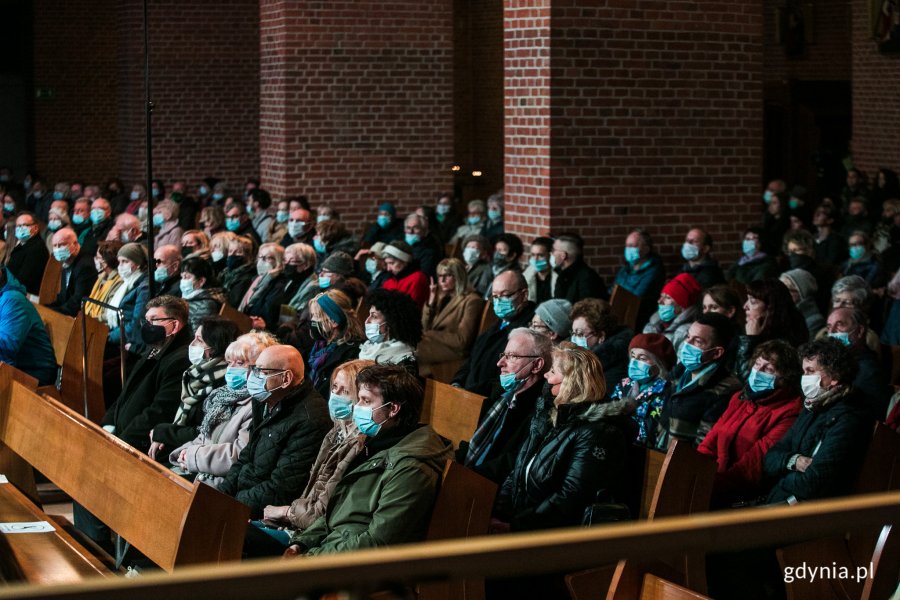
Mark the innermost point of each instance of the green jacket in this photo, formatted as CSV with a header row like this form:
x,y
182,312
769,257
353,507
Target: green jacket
x,y
386,500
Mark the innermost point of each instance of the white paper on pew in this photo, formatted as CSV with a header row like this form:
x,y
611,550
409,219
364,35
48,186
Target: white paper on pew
x,y
3,478
33,527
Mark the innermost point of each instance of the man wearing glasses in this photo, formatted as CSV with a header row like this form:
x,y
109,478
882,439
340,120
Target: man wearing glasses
x,y
290,420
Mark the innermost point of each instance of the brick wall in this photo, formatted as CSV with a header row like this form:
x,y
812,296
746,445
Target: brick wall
x,y
618,117
876,89
356,104
827,56
205,87
75,131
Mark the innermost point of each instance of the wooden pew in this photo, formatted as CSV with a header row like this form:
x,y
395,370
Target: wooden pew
x,y
488,317
170,520
452,412
238,318
59,328
51,282
625,306
656,588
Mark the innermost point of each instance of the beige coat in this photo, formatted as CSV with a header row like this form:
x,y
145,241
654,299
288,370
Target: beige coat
x,y
449,334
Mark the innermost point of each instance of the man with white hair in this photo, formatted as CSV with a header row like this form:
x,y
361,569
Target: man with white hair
x,y
127,229
426,248
78,272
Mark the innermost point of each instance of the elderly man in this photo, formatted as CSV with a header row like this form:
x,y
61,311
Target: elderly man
x,y
506,415
848,326
29,256
101,224
168,270
127,229
699,263
388,491
237,221
290,419
78,272
509,294
299,229
575,280
643,273
426,247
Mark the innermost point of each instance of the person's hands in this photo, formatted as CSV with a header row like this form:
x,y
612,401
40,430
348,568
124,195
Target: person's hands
x,y
292,550
274,516
754,326
802,463
155,447
432,293
257,322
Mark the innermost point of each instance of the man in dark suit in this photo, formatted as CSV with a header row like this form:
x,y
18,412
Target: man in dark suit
x,y
78,272
29,256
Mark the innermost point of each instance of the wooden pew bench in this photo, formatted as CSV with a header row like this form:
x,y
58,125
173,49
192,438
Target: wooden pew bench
x,y
170,520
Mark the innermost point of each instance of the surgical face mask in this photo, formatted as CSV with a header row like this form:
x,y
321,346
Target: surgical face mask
x,y
124,271
58,195
442,209
500,259
203,190
760,381
638,370
324,282
142,213
62,254
553,262
691,356
793,203
250,211
768,195
503,307
195,354
78,219
23,233
236,377
321,218
135,195
383,221
9,208
509,381
580,341
187,288
473,220
470,255
160,274
98,216
842,336
262,267
494,215
218,196
282,216
857,252
811,385
371,266
748,247
256,385
666,312
339,407
319,245
373,333
689,251
158,220
54,225
98,265
295,228
412,238
365,422
217,255
538,265
38,194
232,224
632,254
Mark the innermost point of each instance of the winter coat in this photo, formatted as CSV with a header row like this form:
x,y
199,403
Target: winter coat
x,y
832,250
707,273
645,282
384,500
169,234
531,278
133,306
274,467
450,333
391,352
694,406
206,303
82,276
577,282
869,268
236,281
741,437
428,252
675,331
412,282
24,343
759,268
340,354
27,262
613,353
152,393
480,278
645,404
267,304
835,437
561,467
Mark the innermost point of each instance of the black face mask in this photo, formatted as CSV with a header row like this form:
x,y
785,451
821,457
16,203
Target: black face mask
x,y
290,270
795,260
233,262
315,331
186,251
152,335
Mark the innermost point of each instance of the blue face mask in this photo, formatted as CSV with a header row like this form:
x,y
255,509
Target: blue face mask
x,y
767,196
319,245
155,192
62,254
365,422
442,209
689,251
218,196
236,377
160,274
760,382
232,224
339,407
473,220
58,195
494,215
691,356
23,233
187,288
748,247
203,190
857,252
324,282
412,238
135,195
282,216
580,341
256,386
371,266
295,228
841,336
383,221
503,307
666,312
38,194
509,382
638,370
78,219
9,208
97,216
538,265
54,225
158,220
632,255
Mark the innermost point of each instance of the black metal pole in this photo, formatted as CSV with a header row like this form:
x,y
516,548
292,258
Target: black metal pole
x,y
148,104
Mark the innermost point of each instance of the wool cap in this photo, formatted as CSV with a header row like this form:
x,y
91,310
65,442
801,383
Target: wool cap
x,y
340,263
683,289
136,253
555,314
656,344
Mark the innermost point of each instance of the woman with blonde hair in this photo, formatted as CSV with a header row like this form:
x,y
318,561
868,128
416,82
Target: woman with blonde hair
x,y
575,450
338,450
337,334
451,317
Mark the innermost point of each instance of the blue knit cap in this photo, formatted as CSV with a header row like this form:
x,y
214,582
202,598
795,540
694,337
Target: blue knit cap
x,y
388,207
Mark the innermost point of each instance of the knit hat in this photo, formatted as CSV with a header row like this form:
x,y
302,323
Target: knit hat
x,y
135,253
656,344
387,207
683,289
802,280
377,249
555,314
399,250
340,263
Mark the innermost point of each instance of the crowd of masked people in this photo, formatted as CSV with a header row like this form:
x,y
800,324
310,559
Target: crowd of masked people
x,y
774,366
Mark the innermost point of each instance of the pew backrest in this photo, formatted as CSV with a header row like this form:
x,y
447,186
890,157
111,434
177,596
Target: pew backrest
x,y
51,282
452,412
242,321
59,328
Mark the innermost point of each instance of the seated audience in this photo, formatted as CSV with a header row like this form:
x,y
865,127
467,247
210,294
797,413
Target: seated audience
x,y
493,227
642,274
595,328
511,406
388,490
799,247
821,453
386,228
167,274
575,280
78,272
552,318
541,277
863,261
508,250
478,267
446,216
106,262
754,264
332,236
240,269
198,286
405,274
227,414
262,301
195,244
131,297
831,246
451,317
238,222
575,449
28,257
290,419
258,205
757,416
802,287
513,309
676,309
337,335
474,222
24,343
393,330
700,264
165,224
426,248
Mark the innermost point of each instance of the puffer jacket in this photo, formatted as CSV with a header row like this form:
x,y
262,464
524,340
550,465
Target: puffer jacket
x,y
206,303
561,468
24,342
386,499
274,467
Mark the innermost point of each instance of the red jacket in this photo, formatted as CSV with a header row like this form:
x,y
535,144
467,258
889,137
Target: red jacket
x,y
414,285
740,439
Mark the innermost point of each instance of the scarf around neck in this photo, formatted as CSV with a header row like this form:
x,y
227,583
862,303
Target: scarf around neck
x,y
197,383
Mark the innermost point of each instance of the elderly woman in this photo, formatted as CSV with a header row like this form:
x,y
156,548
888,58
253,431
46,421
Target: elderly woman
x,y
207,372
644,391
451,317
405,275
595,328
393,330
108,281
57,219
263,299
338,450
676,309
478,263
240,269
195,244
757,416
131,297
165,223
336,334
200,290
552,318
212,220
474,221
803,287
218,250
227,414
299,266
574,450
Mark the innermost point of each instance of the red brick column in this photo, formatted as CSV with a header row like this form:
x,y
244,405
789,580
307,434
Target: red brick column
x,y
356,102
632,114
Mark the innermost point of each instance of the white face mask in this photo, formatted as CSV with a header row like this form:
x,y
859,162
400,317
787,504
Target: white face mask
x,y
263,267
217,255
373,333
195,354
124,271
470,255
811,386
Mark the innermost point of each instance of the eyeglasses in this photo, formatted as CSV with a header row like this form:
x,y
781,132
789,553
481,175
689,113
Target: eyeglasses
x,y
266,371
156,320
538,327
585,334
505,295
513,356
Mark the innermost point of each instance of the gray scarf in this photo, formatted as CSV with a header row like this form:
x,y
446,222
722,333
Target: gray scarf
x,y
219,407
